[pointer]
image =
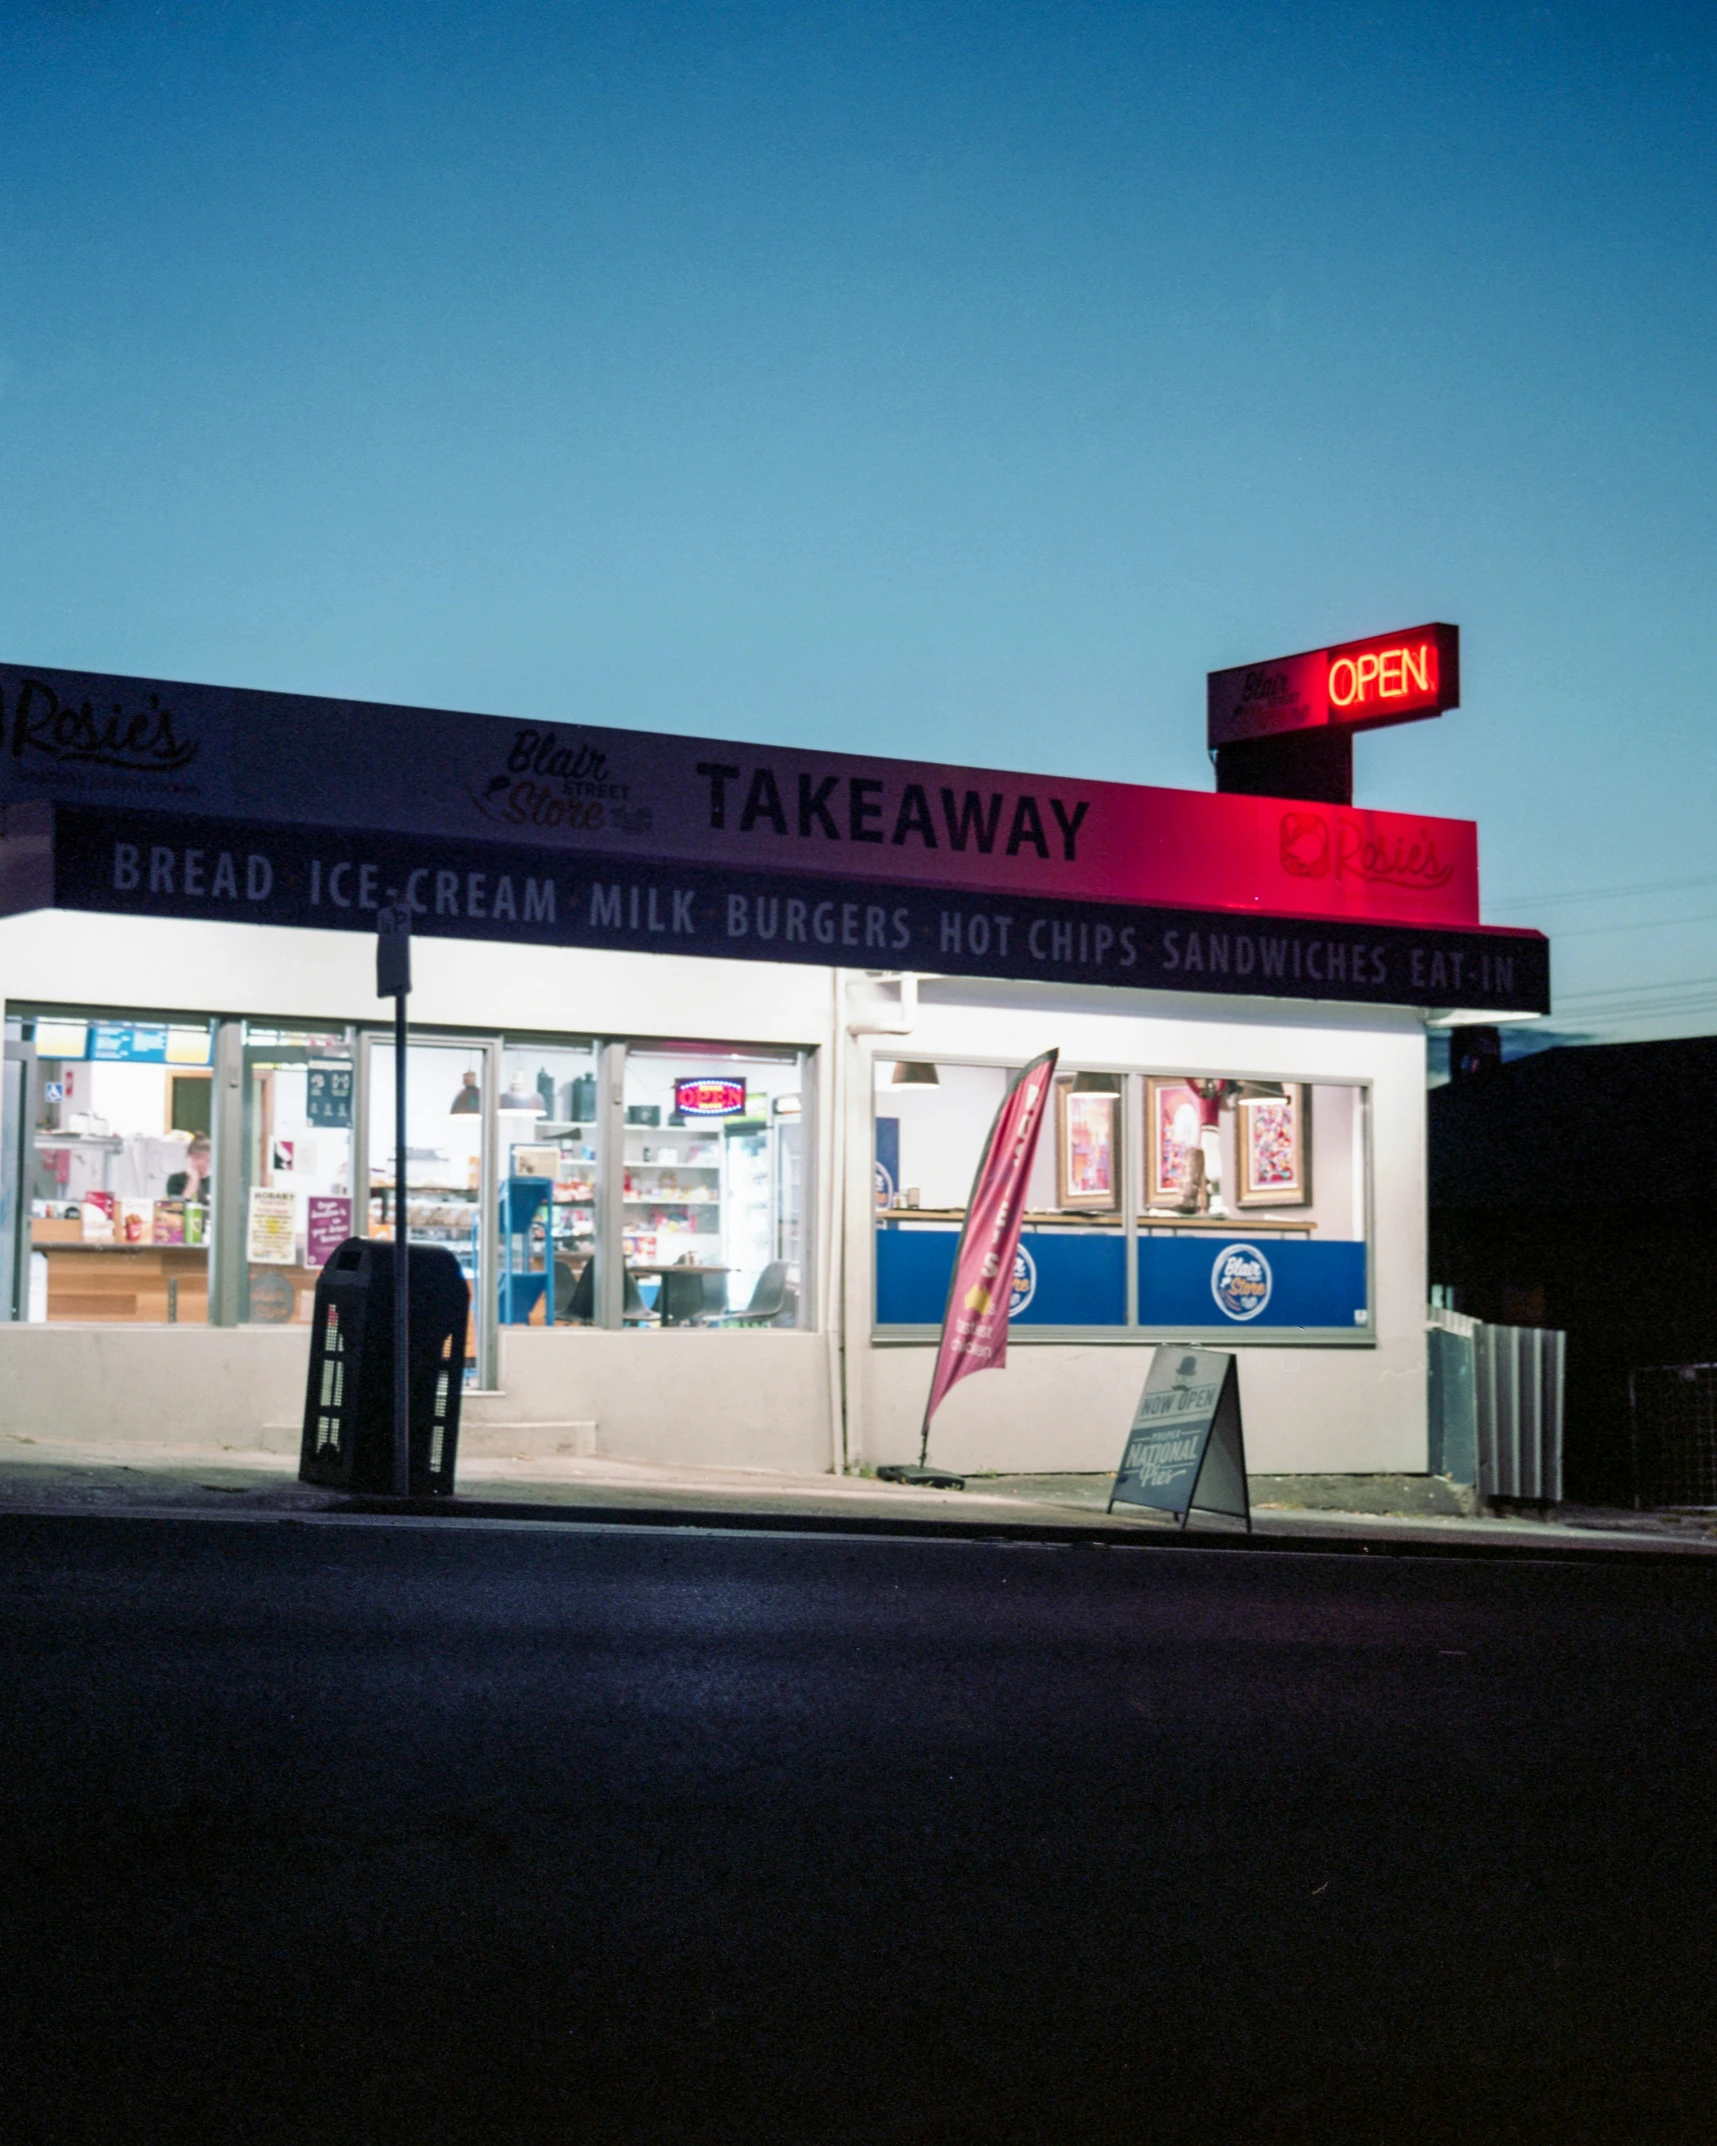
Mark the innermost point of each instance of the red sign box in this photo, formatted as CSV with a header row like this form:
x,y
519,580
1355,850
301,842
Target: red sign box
x,y
720,1098
1360,685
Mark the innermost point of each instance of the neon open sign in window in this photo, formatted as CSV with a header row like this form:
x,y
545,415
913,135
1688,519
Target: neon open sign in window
x,y
719,1098
1359,685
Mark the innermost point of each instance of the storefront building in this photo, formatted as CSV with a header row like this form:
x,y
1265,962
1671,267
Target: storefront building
x,y
706,1040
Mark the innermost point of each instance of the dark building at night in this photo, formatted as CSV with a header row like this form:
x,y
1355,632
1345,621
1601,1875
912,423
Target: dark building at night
x,y
1578,1189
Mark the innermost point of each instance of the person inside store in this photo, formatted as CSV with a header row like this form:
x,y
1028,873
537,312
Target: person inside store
x,y
193,1181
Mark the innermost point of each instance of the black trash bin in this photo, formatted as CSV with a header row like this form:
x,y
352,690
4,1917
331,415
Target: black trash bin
x,y
348,1400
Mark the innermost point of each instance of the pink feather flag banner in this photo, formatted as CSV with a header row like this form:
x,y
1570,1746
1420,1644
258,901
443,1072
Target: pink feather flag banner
x,y
975,1323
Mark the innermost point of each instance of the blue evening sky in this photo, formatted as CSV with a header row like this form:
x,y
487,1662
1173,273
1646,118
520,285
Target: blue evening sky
x,y
947,380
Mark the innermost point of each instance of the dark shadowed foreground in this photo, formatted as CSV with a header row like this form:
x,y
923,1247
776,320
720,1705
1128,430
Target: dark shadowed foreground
x,y
353,1830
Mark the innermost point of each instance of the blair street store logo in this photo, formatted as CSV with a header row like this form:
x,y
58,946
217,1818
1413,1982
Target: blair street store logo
x,y
554,779
1240,1281
1024,1282
1312,849
41,729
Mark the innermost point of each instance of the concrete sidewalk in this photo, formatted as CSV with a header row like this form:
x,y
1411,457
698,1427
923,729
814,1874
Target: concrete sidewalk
x,y
42,1475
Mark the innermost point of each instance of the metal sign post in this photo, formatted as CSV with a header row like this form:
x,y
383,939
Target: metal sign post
x,y
393,980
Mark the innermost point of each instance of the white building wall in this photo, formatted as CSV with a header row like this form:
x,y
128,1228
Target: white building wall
x,y
774,1400
1056,1406
184,965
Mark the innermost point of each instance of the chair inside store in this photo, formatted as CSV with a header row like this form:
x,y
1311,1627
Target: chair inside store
x,y
768,1299
574,1292
575,1296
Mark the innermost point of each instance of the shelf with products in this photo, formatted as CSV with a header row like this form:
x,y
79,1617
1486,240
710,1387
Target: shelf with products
x,y
435,1214
526,1219
672,1144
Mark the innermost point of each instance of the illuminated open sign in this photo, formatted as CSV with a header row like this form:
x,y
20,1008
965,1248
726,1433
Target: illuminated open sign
x,y
1359,685
709,1098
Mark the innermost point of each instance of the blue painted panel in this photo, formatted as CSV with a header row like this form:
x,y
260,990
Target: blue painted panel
x,y
1072,1280
887,1160
1203,1281
912,1270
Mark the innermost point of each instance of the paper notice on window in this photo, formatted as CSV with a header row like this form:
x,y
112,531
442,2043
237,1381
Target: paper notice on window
x,y
273,1233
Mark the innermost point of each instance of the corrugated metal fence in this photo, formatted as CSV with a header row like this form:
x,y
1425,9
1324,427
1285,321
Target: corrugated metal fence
x,y
1496,1407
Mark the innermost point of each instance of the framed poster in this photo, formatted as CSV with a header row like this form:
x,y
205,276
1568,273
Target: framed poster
x,y
1172,1122
1273,1138
1087,1157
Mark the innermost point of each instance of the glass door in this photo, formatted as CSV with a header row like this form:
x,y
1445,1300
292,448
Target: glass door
x,y
299,1203
450,1144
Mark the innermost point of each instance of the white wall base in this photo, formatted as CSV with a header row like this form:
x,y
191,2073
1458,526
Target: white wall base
x,y
1066,1409
232,1387
701,1399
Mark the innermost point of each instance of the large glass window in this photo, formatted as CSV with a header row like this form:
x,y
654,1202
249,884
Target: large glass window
x,y
712,1186
550,1138
443,1147
1168,1203
579,1181
117,1166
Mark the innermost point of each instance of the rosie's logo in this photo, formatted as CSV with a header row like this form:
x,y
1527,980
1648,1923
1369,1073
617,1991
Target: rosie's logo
x,y
1311,850
1305,844
142,742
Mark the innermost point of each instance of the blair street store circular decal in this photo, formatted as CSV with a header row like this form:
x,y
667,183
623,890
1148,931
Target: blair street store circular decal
x,y
1240,1281
1025,1282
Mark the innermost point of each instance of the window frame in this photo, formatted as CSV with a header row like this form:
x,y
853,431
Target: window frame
x,y
1133,1332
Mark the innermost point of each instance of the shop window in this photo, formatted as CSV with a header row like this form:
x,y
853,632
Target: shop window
x,y
550,1143
931,1122
712,1197
1254,1207
118,1168
1163,1203
444,1107
300,1104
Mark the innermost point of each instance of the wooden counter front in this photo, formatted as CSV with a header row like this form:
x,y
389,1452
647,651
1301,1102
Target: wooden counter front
x,y
128,1282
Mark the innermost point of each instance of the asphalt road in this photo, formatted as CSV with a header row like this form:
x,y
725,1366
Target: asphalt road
x,y
328,1830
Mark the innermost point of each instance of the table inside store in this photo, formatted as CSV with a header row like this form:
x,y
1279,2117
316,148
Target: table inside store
x,y
678,1306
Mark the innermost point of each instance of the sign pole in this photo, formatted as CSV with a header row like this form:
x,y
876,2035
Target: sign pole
x,y
393,980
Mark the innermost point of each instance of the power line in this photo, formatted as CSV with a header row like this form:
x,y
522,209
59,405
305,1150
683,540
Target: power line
x,y
1705,985
1603,894
1636,1005
1597,931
